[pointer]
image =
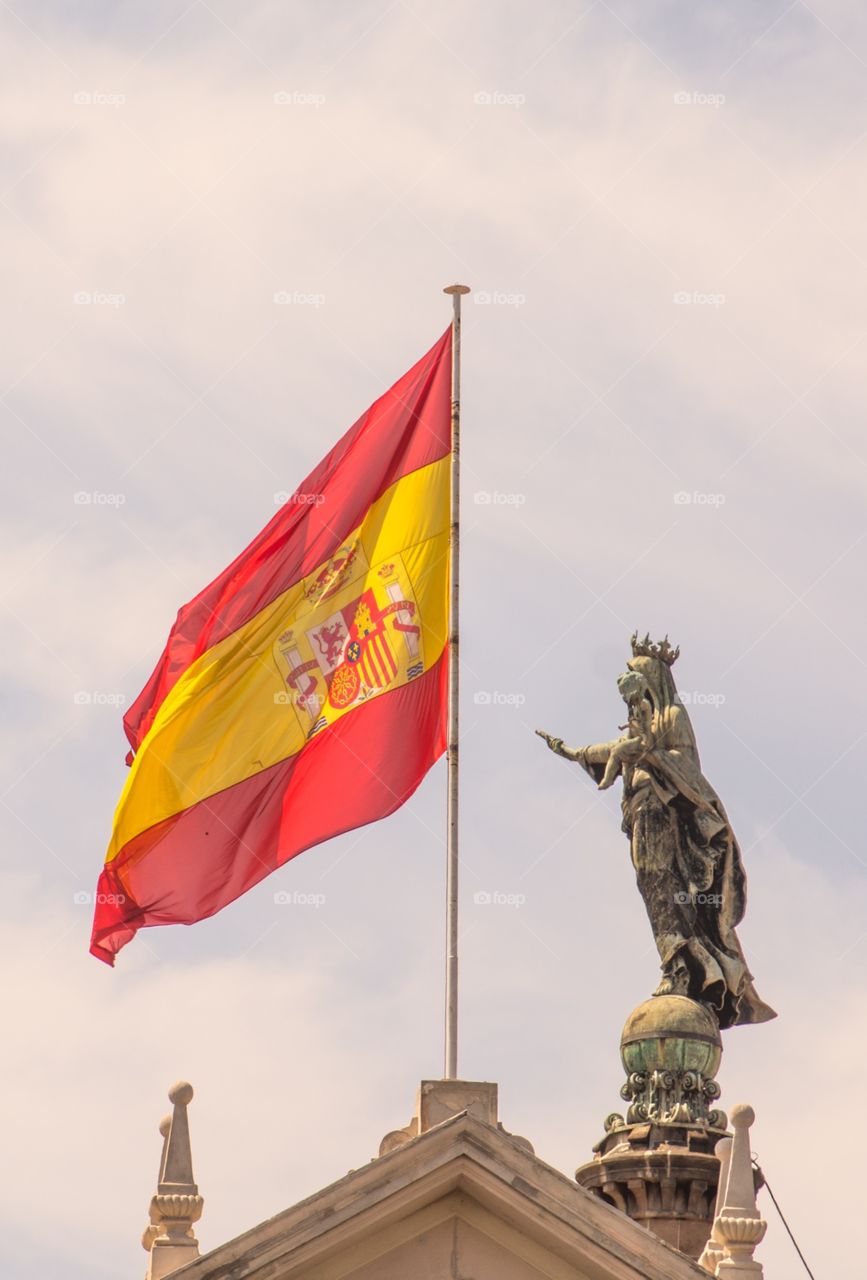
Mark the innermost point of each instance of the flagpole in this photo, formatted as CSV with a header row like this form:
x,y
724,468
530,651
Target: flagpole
x,y
451,1038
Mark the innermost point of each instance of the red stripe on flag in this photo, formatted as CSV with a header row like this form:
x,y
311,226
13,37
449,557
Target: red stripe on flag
x,y
189,866
404,430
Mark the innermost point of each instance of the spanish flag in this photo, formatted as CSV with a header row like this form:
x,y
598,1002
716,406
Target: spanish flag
x,y
303,693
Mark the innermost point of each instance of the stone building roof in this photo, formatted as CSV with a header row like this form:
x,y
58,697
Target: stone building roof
x,y
462,1198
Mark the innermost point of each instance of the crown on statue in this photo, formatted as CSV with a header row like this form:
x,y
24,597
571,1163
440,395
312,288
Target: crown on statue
x,y
648,648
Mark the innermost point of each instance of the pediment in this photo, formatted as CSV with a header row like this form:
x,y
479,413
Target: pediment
x,y
463,1199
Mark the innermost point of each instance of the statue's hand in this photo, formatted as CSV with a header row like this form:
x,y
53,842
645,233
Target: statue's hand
x,y
556,744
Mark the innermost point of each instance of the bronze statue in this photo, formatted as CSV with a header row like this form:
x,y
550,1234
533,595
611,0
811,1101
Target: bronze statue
x,y
686,858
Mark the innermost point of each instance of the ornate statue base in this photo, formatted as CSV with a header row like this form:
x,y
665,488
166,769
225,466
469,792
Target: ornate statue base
x,y
657,1163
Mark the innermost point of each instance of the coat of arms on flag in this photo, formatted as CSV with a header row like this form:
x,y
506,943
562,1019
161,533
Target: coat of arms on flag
x,y
361,636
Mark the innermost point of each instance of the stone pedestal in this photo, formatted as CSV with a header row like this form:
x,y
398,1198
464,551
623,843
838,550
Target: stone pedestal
x,y
670,1188
657,1164
440,1100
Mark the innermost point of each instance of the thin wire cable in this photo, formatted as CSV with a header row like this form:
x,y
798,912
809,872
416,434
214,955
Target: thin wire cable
x,y
767,1186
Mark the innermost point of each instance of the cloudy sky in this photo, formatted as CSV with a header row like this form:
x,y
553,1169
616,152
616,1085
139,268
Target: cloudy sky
x,y
661,209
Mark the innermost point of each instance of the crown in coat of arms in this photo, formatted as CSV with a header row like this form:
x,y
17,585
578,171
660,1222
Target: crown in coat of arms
x,y
363,619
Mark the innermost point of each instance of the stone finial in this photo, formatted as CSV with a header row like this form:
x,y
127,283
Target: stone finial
x,y
714,1251
738,1226
152,1230
169,1236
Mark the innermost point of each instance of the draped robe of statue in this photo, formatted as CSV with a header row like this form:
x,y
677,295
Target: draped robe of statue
x,y
686,858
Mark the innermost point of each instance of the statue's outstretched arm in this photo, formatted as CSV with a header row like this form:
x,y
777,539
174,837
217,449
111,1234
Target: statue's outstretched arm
x,y
597,753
